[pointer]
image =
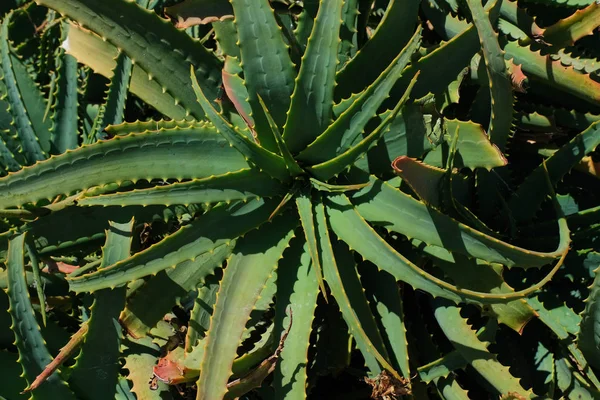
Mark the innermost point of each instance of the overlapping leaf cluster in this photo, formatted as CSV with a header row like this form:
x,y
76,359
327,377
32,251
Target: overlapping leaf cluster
x,y
342,198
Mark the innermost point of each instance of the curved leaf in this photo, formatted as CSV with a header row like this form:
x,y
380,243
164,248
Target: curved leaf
x,y
219,226
247,271
33,354
246,184
154,155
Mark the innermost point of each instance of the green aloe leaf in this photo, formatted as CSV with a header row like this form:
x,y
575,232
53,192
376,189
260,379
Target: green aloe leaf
x,y
166,55
312,101
236,91
350,227
340,135
464,339
336,165
255,258
268,70
383,294
245,185
307,218
348,33
124,158
569,30
33,354
297,291
201,312
477,275
289,160
433,79
219,226
26,103
392,34
339,270
100,351
271,163
37,279
384,205
499,83
112,111
144,309
8,162
90,50
64,128
474,148
13,383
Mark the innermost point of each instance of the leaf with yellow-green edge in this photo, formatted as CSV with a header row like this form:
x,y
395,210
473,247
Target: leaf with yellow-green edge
x,y
481,276
271,163
151,155
433,78
166,55
268,69
526,200
333,167
569,30
25,99
474,148
64,119
340,135
332,188
216,227
410,134
144,309
289,160
466,342
442,367
552,73
305,211
297,291
113,109
244,185
99,356
392,33
352,228
498,80
339,269
430,183
306,20
255,258
126,128
383,294
37,280
201,312
387,206
312,101
33,354
90,50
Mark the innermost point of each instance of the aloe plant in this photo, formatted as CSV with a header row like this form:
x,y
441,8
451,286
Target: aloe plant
x,y
308,193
